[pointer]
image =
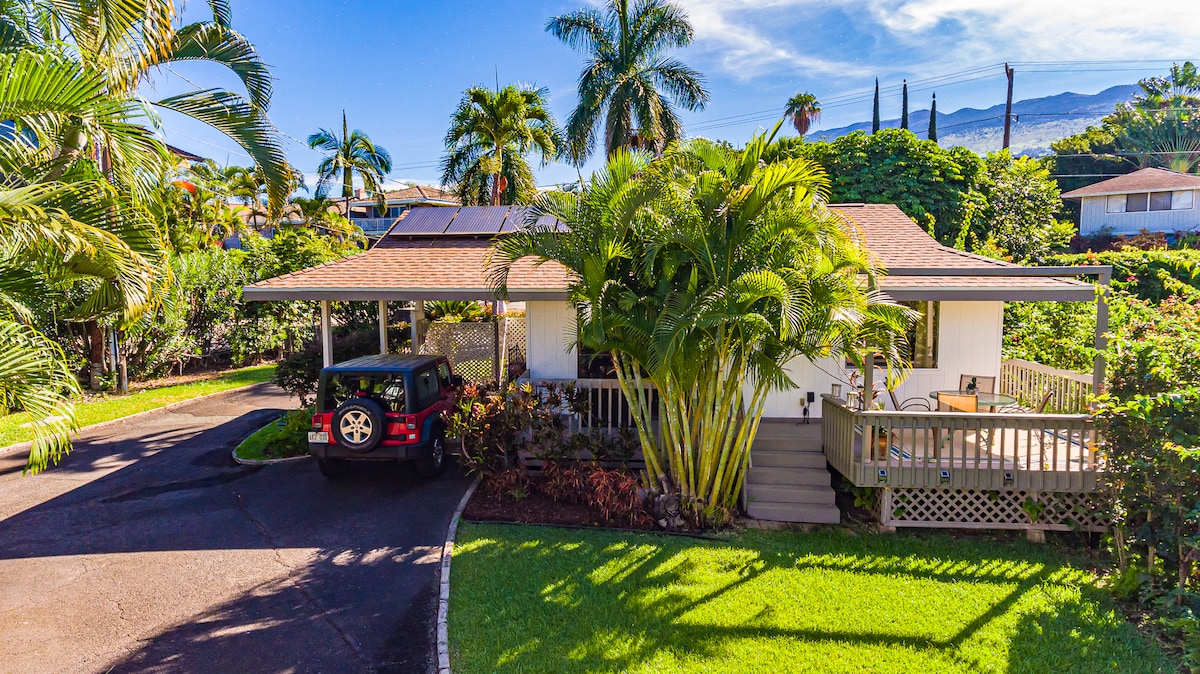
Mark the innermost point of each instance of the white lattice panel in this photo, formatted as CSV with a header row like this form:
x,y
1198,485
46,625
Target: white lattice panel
x,y
980,509
470,347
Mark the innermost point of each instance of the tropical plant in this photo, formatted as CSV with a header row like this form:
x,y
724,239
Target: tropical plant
x,y
629,88
352,153
490,134
803,109
705,273
1013,209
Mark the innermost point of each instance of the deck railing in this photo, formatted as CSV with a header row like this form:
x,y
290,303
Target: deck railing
x,y
373,225
990,451
607,408
1028,381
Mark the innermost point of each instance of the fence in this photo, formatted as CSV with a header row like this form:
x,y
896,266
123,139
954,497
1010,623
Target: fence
x,y
1028,381
472,348
514,346
608,409
988,451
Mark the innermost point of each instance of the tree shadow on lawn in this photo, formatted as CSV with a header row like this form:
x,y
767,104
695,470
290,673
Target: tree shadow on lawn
x,y
762,602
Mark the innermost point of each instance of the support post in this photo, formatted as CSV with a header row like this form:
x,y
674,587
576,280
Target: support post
x,y
869,383
326,336
418,317
1101,363
383,327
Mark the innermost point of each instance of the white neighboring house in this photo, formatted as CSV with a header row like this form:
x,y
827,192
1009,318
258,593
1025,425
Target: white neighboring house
x,y
1153,199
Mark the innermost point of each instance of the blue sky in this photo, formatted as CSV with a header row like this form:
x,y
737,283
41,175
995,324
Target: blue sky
x,y
398,68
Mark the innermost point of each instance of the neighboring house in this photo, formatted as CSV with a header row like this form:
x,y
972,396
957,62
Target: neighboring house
x,y
374,221
961,459
1152,199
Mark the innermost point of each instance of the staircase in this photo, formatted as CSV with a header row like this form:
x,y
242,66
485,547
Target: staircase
x,y
788,479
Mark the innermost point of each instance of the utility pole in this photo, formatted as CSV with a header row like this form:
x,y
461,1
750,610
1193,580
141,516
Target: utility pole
x,y
1008,72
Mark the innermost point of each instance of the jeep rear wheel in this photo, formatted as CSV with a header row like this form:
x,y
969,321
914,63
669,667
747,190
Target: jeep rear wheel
x,y
432,464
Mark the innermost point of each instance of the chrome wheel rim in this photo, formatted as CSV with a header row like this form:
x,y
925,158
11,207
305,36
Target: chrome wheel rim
x,y
356,427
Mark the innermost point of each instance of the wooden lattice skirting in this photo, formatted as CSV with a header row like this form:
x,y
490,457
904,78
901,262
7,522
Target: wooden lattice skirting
x,y
983,509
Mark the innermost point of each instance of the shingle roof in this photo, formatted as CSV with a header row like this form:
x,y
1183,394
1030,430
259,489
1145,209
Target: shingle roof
x,y
1145,180
447,267
413,194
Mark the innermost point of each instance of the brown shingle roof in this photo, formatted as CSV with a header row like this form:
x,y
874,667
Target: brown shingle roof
x,y
457,268
413,194
1145,180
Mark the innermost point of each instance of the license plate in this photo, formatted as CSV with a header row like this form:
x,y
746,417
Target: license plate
x,y
318,436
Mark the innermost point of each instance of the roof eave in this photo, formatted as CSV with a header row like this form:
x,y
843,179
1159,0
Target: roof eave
x,y
996,294
268,294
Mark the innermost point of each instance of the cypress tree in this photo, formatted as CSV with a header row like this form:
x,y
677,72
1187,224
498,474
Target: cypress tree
x,y
933,119
875,114
904,107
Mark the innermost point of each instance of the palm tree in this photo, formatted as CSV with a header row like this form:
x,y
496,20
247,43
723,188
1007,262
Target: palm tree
x,y
629,87
351,153
803,109
490,134
706,272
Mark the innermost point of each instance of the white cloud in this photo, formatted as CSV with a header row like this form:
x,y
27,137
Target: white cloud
x,y
755,37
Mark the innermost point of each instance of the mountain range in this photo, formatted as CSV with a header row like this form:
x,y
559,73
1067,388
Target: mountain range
x,y
1039,121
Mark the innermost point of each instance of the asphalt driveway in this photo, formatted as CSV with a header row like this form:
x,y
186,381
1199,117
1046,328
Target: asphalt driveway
x,y
149,550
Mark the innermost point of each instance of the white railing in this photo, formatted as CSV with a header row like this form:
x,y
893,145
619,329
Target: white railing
x,y
1028,382
960,450
607,407
373,225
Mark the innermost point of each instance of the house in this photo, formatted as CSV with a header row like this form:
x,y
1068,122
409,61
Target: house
x,y
953,462
374,221
1152,199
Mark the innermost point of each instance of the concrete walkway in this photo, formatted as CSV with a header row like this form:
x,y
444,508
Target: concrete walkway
x,y
149,550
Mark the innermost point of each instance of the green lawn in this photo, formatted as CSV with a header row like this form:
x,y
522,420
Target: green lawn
x,y
541,599
114,407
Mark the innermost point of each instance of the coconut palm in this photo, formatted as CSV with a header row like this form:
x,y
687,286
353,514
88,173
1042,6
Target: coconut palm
x,y
705,273
630,87
125,41
352,153
803,109
490,134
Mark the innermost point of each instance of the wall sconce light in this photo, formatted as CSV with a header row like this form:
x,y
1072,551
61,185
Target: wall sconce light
x,y
837,391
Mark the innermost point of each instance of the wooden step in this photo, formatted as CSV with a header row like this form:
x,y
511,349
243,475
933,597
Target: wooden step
x,y
815,477
780,443
794,512
786,459
779,493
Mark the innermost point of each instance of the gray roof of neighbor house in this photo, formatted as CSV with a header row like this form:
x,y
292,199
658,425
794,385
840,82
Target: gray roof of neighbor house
x,y
445,254
1144,180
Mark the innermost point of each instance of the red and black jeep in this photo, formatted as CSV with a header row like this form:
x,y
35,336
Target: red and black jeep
x,y
383,408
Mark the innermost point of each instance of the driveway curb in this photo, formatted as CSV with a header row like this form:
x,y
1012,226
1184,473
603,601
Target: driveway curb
x,y
113,422
443,640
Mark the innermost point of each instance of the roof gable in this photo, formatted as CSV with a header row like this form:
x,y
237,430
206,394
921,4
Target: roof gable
x,y
1144,180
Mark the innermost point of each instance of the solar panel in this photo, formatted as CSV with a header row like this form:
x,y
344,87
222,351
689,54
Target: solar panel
x,y
428,220
548,222
478,220
515,219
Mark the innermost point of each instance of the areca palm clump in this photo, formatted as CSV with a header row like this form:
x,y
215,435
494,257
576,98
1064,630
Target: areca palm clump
x,y
352,153
803,109
630,87
490,134
704,273
80,171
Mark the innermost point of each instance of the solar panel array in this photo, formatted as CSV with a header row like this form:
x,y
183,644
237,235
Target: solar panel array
x,y
468,221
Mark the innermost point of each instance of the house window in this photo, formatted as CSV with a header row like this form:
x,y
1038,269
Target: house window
x,y
1116,203
1136,203
923,335
1182,200
1160,201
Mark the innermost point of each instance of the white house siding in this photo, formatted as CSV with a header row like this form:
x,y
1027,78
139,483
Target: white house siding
x,y
969,342
548,330
1094,218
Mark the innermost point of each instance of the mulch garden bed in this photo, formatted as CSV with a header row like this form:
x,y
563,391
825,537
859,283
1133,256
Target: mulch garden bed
x,y
537,508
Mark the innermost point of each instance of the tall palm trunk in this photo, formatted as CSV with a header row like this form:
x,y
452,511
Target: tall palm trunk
x,y
498,175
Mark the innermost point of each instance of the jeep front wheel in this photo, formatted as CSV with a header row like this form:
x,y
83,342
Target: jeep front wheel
x,y
432,464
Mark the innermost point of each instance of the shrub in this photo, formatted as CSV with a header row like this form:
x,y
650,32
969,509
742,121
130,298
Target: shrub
x,y
285,438
300,372
1150,428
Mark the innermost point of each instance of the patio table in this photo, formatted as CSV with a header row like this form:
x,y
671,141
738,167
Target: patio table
x,y
989,400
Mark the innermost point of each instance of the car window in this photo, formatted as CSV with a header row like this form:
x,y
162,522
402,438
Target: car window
x,y
387,390
428,390
444,374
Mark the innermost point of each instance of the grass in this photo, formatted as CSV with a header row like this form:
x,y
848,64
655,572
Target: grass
x,y
541,599
109,407
274,441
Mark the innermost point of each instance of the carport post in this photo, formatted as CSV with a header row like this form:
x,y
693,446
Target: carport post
x,y
383,326
326,335
418,315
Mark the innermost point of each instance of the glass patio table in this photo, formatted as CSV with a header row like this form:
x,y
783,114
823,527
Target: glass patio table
x,y
989,400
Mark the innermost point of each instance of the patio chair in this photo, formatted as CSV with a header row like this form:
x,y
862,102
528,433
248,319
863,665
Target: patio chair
x,y
916,403
953,402
1023,409
982,384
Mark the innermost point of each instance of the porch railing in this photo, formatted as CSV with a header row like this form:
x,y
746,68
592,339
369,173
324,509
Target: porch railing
x,y
373,225
607,408
1028,381
991,451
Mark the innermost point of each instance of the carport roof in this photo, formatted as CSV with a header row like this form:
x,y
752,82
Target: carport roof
x,y
454,265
